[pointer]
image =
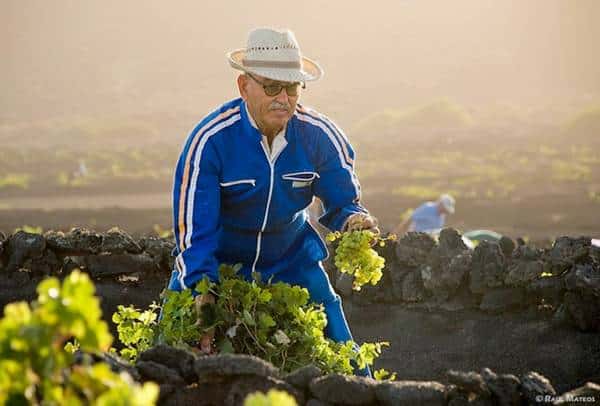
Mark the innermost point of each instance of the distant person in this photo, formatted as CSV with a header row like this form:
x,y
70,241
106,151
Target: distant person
x,y
429,217
249,170
82,170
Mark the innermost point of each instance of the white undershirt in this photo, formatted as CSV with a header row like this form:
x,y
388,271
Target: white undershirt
x,y
279,142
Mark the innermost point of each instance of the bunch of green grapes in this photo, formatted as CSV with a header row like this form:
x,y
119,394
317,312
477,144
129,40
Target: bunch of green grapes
x,y
354,255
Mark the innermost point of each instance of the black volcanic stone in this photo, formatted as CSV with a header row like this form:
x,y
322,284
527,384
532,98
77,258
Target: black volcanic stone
x,y
344,389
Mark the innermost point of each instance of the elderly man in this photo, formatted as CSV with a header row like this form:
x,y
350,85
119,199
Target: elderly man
x,y
249,170
429,217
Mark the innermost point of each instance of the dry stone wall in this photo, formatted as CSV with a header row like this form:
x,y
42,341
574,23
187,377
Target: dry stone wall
x,y
420,272
125,270
493,277
185,379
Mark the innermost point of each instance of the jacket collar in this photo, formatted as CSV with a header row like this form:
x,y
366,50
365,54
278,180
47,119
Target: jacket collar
x,y
249,117
279,142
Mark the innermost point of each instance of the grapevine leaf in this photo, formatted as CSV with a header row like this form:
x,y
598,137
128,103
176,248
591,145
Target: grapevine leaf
x,y
247,317
226,347
203,287
265,321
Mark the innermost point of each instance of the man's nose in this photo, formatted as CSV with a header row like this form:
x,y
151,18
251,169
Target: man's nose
x,y
282,97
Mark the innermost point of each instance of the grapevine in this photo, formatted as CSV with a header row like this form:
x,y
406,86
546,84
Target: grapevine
x,y
136,329
38,345
384,375
355,256
273,321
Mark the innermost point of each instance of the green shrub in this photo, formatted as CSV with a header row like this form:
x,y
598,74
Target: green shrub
x,y
36,367
273,321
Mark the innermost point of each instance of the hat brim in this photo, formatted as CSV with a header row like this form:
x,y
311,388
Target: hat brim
x,y
310,70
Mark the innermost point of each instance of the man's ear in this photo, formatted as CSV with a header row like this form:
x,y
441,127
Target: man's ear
x,y
242,82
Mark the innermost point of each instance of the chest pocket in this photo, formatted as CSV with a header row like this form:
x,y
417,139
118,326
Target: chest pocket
x,y
238,187
300,179
239,182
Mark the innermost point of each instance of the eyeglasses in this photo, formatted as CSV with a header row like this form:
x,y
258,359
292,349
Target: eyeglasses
x,y
275,88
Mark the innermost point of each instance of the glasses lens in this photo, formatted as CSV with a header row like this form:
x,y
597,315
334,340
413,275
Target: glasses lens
x,y
292,90
272,90
275,89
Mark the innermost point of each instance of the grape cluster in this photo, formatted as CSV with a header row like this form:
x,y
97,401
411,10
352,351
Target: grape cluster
x,y
355,256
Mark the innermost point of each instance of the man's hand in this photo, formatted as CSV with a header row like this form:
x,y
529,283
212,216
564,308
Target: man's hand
x,y
206,341
361,221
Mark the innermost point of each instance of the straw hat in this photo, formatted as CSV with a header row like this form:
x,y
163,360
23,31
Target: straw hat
x,y
274,55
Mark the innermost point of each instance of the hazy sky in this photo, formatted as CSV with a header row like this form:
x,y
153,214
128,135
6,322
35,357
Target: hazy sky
x,y
72,57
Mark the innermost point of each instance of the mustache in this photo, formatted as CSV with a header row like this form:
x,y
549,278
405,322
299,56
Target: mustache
x,y
276,106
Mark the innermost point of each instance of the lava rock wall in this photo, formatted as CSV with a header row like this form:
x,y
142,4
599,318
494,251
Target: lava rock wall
x,y
493,277
125,270
187,379
420,271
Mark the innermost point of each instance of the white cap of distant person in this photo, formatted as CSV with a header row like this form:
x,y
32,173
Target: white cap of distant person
x,y
446,203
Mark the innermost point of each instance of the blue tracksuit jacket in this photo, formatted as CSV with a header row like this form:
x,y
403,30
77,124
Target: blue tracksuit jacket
x,y
233,204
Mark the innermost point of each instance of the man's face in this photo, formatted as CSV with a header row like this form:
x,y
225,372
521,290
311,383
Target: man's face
x,y
271,113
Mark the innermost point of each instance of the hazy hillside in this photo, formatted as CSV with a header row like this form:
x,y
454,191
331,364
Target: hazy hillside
x,y
67,58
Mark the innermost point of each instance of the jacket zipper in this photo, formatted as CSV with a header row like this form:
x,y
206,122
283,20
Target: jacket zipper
x,y
266,217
